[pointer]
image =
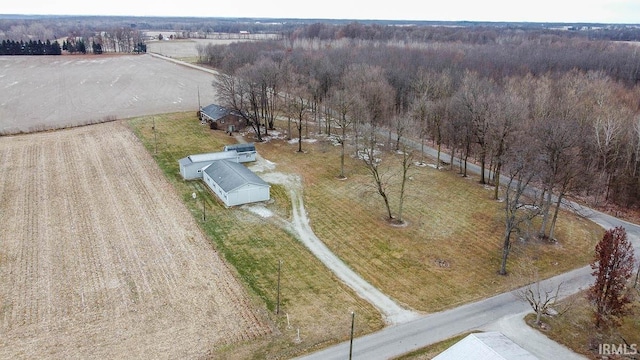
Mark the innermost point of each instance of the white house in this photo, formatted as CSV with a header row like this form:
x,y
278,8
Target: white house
x,y
192,165
234,184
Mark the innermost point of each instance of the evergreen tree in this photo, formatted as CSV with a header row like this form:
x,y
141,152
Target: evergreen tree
x,y
97,48
55,48
81,47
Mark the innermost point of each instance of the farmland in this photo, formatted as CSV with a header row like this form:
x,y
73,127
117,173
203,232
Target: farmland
x,y
103,257
49,92
100,258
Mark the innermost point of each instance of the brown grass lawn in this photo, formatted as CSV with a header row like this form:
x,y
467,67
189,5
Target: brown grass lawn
x,y
450,220
575,329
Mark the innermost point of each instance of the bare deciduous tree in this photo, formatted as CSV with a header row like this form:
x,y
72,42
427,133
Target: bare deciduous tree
x,y
342,102
518,208
474,100
407,161
369,156
240,97
541,296
508,115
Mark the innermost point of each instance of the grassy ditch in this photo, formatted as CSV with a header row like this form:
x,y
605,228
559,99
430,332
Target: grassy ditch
x,y
448,253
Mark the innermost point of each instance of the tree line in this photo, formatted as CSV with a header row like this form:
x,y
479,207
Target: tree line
x,y
82,36
464,32
31,47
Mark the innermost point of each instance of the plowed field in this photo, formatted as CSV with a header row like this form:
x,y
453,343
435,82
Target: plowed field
x,y
100,259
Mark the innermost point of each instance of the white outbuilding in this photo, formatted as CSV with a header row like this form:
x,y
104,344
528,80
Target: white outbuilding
x,y
192,165
246,151
492,345
234,184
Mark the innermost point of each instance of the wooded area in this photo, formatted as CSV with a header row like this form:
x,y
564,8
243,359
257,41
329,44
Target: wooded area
x,y
571,101
557,115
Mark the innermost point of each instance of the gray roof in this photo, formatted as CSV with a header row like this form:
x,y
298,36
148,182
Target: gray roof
x,y
242,147
221,155
230,175
215,112
491,345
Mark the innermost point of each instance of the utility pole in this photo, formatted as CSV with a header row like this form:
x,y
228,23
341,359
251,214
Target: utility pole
x,y
278,289
155,136
353,317
204,209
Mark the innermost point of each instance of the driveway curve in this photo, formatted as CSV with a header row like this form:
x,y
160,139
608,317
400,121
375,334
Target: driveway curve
x,y
299,227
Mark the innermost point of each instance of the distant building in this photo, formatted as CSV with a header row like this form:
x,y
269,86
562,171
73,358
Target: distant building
x,y
221,118
234,184
491,345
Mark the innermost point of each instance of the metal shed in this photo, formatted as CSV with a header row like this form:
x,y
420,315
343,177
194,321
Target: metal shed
x,y
246,151
192,165
234,184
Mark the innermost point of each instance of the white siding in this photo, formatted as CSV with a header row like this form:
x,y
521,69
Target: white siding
x,y
245,194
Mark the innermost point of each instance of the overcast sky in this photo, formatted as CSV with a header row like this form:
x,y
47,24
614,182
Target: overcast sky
x,y
601,11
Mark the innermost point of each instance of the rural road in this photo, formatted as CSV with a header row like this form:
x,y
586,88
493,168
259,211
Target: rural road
x,y
501,312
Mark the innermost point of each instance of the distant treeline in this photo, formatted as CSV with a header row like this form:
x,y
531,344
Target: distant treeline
x,y
12,47
564,92
31,47
468,34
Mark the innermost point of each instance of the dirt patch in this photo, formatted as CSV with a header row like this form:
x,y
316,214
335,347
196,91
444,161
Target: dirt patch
x,y
100,259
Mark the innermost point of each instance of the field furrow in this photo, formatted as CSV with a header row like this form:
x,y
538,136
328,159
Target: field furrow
x,y
100,259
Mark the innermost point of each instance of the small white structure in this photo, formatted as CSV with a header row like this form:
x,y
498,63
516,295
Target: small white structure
x,y
192,165
234,184
491,345
246,152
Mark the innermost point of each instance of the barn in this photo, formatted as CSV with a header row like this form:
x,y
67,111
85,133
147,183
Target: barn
x,y
192,165
220,118
234,184
246,151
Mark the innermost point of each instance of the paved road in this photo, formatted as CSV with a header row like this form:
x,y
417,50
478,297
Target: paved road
x,y
496,312
533,340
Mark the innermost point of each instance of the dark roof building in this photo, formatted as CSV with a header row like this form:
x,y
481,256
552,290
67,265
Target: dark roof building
x,y
221,118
